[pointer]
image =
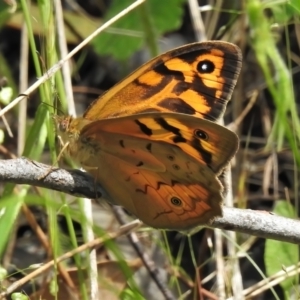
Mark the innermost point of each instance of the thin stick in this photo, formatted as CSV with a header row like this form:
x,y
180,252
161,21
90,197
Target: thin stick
x,y
75,182
62,42
44,267
147,261
59,64
23,85
197,21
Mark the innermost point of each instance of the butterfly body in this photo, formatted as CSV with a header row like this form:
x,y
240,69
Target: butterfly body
x,y
149,141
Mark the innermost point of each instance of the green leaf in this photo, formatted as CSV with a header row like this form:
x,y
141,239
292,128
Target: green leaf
x,y
282,13
286,124
37,135
129,34
296,5
166,15
9,209
279,255
19,296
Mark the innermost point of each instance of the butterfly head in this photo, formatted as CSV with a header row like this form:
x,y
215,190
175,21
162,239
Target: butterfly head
x,y
62,123
69,128
66,128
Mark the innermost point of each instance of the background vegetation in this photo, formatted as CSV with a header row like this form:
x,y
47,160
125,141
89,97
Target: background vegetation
x,y
37,225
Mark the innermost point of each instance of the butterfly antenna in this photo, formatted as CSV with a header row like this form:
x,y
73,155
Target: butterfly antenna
x,y
54,107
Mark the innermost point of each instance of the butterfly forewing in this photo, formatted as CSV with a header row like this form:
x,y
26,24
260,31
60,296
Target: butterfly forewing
x,y
196,79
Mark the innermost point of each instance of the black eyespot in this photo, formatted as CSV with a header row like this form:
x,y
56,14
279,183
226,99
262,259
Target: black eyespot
x,y
170,157
201,134
176,201
205,66
176,167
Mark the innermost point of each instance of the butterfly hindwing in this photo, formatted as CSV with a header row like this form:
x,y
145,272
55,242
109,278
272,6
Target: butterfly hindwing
x,y
126,136
159,169
160,199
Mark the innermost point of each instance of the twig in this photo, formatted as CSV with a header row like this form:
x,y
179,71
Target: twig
x,y
63,49
234,266
148,263
59,64
85,204
23,84
75,182
270,281
220,265
91,245
197,21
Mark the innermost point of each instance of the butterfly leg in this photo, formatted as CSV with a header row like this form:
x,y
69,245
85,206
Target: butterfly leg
x,y
57,160
94,171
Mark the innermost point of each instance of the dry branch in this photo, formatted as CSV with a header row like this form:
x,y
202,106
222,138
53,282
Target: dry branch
x,y
78,183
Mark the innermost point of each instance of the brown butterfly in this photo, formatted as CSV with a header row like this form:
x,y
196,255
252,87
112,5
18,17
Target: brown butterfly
x,y
151,142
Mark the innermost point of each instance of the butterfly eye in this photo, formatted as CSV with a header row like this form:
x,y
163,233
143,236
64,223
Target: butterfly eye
x,y
63,125
205,66
176,201
201,134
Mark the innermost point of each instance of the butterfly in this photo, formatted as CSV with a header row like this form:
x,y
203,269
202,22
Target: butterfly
x,y
153,142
